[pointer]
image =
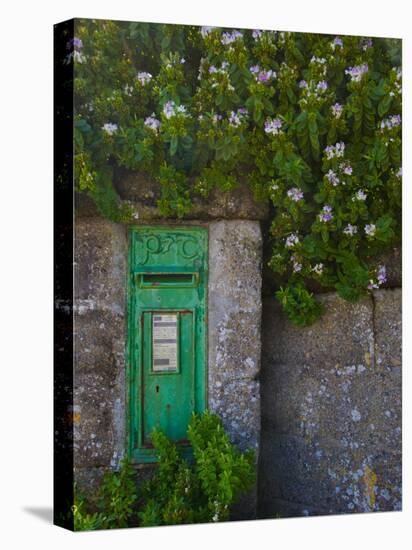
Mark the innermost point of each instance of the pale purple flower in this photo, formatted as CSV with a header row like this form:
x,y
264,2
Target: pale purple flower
x,y
204,31
346,168
144,78
370,229
350,229
273,126
295,194
366,43
391,122
152,123
337,150
229,37
110,128
322,85
297,266
337,110
360,195
332,178
372,285
254,69
234,119
257,34
303,84
337,42
318,269
216,118
170,109
225,65
264,76
357,72
291,240
75,43
212,69
326,214
382,274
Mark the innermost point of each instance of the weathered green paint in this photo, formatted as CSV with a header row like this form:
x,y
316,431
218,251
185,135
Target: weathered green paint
x,y
167,275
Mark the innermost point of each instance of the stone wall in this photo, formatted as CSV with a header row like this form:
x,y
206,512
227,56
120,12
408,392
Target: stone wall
x,y
331,409
99,348
234,314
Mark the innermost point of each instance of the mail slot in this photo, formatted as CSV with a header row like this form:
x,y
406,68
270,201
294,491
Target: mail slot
x,y
167,333
168,279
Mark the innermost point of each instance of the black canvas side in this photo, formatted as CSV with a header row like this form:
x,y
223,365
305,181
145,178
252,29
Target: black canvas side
x,y
63,275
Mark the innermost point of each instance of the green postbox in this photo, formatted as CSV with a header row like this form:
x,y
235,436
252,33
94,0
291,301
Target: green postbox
x,y
167,333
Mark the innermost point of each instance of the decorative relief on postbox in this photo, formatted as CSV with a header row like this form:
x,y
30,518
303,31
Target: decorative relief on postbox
x,y
164,348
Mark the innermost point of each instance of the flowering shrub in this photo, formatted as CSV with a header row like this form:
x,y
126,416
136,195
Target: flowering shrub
x,y
312,120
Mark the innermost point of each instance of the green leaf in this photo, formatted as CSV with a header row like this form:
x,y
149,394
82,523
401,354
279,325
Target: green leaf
x,y
384,105
173,145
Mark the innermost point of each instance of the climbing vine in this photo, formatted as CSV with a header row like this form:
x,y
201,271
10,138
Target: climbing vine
x,y
312,120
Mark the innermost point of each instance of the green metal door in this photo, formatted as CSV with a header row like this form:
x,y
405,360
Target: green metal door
x,y
167,333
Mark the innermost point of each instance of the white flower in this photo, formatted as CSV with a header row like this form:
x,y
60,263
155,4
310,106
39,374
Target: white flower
x,y
318,269
144,78
78,57
370,229
110,128
350,230
337,110
360,195
320,60
128,90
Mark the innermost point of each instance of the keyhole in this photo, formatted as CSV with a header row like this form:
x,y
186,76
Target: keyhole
x,y
157,389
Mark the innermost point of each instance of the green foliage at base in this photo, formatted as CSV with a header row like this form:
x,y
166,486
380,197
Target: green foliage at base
x,y
116,498
182,491
310,121
202,491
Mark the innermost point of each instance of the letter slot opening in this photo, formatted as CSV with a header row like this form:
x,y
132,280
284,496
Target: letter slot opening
x,y
165,280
